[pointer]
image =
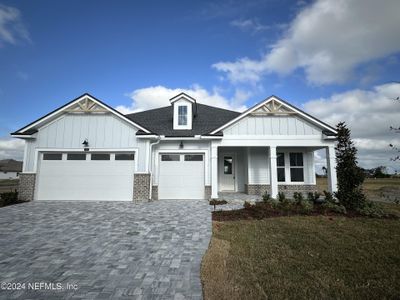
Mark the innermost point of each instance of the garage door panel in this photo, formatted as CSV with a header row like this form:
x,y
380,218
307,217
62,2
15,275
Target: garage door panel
x,y
181,179
85,180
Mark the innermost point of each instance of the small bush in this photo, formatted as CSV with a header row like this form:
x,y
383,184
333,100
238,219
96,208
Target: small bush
x,y
329,197
372,209
298,197
266,197
306,206
333,207
313,197
281,197
9,198
247,205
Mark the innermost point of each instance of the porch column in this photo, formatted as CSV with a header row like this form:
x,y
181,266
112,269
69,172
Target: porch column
x,y
331,168
273,173
214,170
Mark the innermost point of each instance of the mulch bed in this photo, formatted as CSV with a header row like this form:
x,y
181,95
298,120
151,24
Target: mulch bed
x,y
262,211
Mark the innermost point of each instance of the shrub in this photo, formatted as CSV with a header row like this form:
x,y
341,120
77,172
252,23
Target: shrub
x,y
9,198
281,197
372,209
333,207
306,206
313,197
266,197
247,205
329,197
298,197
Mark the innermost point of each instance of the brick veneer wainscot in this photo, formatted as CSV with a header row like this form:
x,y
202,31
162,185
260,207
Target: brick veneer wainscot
x,y
141,187
26,186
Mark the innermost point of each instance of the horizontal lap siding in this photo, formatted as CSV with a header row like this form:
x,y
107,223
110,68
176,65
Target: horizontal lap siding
x,y
102,131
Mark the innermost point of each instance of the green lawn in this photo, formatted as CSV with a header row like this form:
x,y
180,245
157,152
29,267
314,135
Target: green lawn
x,y
8,185
303,257
380,189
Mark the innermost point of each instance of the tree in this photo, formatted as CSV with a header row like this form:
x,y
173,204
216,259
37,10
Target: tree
x,y
350,176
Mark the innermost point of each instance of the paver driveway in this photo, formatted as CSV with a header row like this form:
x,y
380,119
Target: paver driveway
x,y
109,250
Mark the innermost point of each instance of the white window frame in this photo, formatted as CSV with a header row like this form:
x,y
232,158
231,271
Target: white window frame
x,y
288,180
189,115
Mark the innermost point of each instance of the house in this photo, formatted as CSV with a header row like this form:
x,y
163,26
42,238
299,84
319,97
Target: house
x,y
10,169
86,150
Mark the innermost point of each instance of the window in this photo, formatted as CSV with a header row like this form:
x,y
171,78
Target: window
x,y
193,157
170,157
280,162
124,156
296,167
52,156
182,115
228,164
100,156
76,156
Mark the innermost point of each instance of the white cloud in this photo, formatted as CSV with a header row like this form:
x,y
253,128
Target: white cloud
x,y
369,114
252,25
158,96
11,27
11,148
328,39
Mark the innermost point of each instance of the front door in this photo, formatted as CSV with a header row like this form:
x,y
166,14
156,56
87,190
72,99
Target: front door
x,y
227,171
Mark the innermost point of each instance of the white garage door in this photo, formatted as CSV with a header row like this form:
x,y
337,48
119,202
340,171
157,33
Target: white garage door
x,y
181,176
86,176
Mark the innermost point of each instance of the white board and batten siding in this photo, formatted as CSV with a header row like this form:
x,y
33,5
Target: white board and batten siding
x,y
103,131
272,125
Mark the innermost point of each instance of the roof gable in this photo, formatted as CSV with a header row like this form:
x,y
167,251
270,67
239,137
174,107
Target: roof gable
x,y
84,104
276,106
160,121
182,96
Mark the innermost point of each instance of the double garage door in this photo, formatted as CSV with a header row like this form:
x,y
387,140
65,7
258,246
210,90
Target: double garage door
x,y
85,176
181,176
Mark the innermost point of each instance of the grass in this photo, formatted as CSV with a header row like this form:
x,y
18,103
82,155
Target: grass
x,y
376,189
303,257
8,185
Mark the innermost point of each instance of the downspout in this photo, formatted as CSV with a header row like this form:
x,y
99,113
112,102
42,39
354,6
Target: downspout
x,y
151,165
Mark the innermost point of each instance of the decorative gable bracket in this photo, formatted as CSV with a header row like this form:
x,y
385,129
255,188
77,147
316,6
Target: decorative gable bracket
x,y
86,105
272,108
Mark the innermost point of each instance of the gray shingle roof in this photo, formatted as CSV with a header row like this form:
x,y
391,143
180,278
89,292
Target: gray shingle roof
x,y
160,120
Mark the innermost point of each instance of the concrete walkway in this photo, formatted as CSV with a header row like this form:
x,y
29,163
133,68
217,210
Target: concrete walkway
x,y
103,250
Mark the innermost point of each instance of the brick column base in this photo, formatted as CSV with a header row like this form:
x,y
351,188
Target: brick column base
x,y
141,187
257,189
26,186
289,189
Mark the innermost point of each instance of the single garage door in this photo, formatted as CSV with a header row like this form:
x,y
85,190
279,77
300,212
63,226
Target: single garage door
x,y
86,176
181,176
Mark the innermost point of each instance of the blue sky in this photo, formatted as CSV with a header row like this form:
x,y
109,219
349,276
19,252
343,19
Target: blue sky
x,y
134,54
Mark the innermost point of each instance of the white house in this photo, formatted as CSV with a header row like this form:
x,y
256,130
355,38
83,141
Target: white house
x,y
86,150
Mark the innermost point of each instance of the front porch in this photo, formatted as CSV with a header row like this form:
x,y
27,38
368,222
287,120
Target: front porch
x,y
247,173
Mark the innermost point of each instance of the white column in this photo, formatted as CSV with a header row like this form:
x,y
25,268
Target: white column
x,y
214,170
273,172
331,168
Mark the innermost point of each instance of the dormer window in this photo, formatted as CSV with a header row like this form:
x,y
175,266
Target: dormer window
x,y
182,115
184,108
